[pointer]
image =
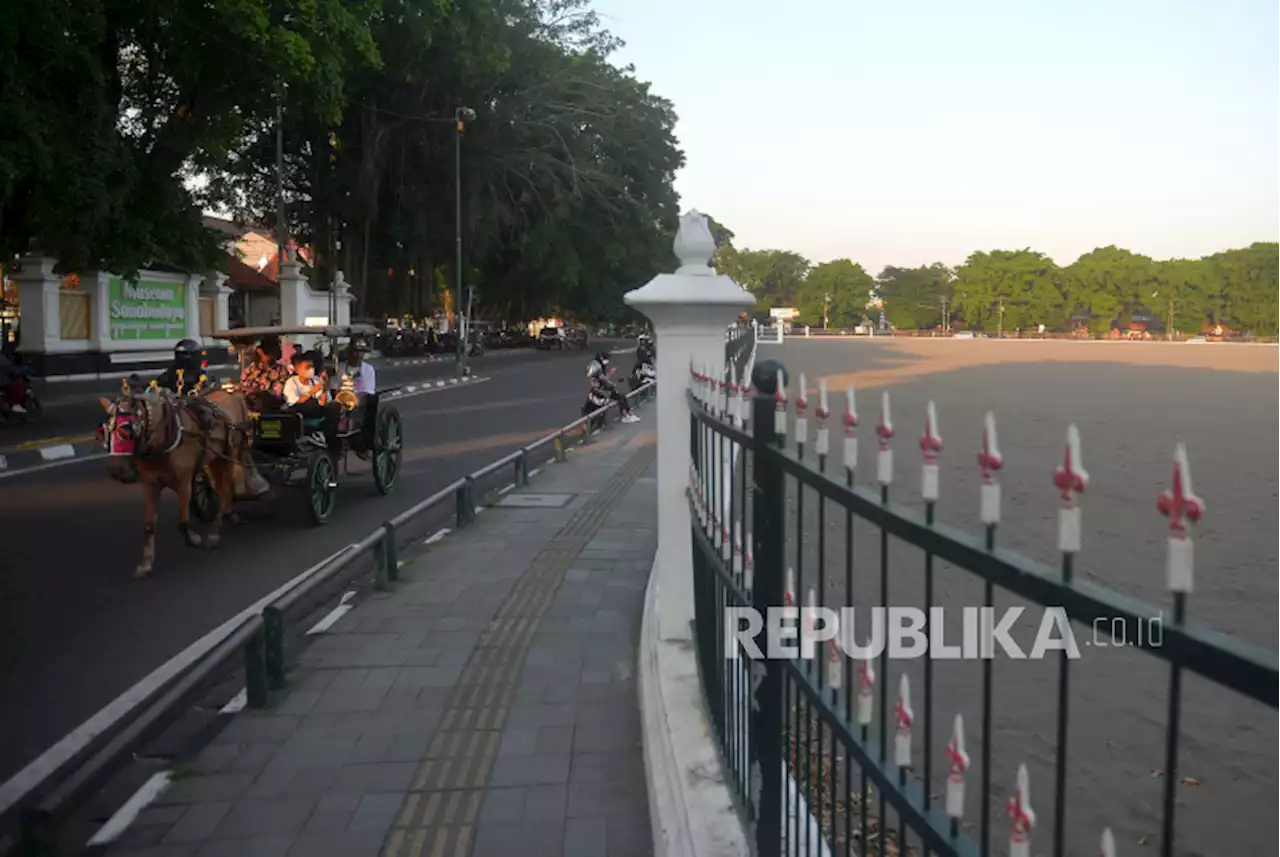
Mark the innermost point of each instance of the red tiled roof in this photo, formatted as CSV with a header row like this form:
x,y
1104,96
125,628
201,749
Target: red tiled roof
x,y
247,279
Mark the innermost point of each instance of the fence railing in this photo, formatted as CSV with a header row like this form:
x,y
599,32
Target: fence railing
x,y
822,745
255,644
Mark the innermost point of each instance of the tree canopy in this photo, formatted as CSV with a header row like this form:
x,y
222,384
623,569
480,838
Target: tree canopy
x,y
566,168
1007,290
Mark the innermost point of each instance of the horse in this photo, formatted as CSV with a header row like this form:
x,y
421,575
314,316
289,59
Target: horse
x,y
162,441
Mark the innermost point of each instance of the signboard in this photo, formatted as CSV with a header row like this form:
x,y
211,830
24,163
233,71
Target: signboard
x,y
147,310
785,313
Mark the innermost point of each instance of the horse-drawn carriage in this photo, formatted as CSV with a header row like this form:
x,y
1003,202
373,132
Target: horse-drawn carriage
x,y
279,443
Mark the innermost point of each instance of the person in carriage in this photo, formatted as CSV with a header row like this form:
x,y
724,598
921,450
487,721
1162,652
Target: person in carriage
x,y
305,393
358,377
262,381
183,375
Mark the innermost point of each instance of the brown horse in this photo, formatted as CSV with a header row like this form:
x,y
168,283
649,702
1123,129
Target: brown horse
x,y
163,441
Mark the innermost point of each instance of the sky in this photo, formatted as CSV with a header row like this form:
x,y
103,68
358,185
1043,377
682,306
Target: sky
x,y
904,133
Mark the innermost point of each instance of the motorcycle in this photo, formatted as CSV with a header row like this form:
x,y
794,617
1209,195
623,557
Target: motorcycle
x,y
19,399
597,397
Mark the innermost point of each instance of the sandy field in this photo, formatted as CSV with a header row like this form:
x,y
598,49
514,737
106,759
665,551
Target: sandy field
x,y
1131,403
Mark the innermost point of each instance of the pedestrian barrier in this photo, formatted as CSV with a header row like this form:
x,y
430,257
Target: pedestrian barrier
x,y
821,761
31,821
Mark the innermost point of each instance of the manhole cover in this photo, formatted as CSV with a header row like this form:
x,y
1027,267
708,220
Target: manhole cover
x,y
536,501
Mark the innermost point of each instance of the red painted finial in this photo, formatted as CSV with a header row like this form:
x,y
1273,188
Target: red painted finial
x,y
990,459
884,428
850,412
1180,504
1070,477
931,441
1021,816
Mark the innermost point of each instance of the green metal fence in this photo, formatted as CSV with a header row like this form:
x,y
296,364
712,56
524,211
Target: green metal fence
x,y
819,758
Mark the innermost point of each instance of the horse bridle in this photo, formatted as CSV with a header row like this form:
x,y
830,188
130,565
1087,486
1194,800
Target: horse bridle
x,y
139,427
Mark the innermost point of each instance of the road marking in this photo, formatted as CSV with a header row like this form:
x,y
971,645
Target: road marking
x,y
437,536
53,453
75,459
331,618
48,761
50,441
124,816
507,488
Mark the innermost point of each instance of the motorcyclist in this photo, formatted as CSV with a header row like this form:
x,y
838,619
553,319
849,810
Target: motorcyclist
x,y
645,351
599,370
187,357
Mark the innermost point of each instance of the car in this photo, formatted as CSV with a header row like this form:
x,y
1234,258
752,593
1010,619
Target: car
x,y
963,334
550,337
1196,340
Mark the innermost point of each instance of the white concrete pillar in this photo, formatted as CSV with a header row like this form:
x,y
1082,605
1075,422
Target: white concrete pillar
x,y
97,284
41,322
690,310
344,300
293,294
215,286
192,292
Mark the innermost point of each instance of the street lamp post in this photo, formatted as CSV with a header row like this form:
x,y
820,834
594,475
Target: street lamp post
x,y
461,116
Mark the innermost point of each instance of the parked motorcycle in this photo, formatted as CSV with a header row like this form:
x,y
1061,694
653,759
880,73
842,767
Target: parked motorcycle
x,y
18,400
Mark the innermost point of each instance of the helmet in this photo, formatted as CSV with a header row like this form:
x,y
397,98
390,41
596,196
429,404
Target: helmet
x,y
186,348
602,357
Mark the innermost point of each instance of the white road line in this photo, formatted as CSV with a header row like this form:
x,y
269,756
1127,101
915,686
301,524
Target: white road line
x,y
331,618
440,534
124,816
507,488
63,462
53,453
75,740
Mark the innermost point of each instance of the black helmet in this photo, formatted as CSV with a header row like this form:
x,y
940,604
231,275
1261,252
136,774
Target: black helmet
x,y
186,348
602,357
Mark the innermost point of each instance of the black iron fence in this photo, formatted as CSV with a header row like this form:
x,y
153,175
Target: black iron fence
x,y
823,747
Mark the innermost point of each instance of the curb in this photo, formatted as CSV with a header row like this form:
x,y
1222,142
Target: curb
x,y
19,460
409,389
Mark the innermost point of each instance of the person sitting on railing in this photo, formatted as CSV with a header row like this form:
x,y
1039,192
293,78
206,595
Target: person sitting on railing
x,y
263,380
599,370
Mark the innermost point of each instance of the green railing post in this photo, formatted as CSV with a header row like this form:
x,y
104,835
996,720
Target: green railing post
x,y
273,639
460,506
559,446
522,469
769,540
387,569
255,671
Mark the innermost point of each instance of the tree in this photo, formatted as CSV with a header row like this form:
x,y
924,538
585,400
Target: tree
x,y
841,287
1248,286
1187,287
1008,289
1109,284
773,276
913,296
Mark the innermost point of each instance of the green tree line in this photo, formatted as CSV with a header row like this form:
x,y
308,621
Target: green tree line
x,y
1020,289
125,119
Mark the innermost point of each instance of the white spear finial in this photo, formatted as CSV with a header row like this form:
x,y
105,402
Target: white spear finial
x,y
807,622
930,446
866,691
789,588
1108,848
822,443
958,762
1183,508
1071,479
850,423
835,667
731,396
884,432
780,408
1021,817
802,412
903,716
990,460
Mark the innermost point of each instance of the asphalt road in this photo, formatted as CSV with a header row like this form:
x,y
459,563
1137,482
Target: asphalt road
x,y
1131,405
76,629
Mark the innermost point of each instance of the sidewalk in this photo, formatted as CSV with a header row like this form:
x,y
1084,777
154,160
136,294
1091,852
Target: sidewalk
x,y
485,707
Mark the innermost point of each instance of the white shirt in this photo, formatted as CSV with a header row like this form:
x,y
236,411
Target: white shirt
x,y
366,380
297,390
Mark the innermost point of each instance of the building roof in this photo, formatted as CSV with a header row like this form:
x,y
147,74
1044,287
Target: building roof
x,y
246,278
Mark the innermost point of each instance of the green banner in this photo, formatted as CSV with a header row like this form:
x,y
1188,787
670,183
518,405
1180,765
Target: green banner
x,y
147,309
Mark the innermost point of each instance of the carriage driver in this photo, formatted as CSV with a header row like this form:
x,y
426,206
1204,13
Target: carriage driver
x,y
305,394
365,385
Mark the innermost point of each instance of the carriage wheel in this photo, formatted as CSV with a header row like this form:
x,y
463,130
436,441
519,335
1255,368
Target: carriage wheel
x,y
388,447
205,503
322,486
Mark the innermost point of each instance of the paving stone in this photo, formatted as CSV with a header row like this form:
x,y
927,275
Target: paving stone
x,y
530,770
541,715
249,726
201,789
348,843
170,850
378,777
256,816
586,837
258,846
503,804
159,815
546,803
526,838
333,813
198,822
377,811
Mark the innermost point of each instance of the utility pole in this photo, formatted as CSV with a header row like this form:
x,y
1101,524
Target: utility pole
x,y
946,318
1000,334
1169,329
826,309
